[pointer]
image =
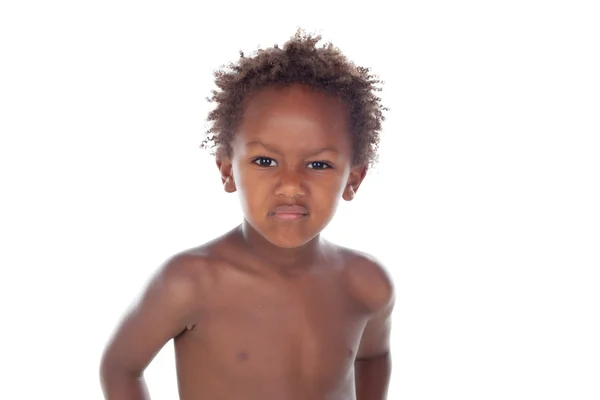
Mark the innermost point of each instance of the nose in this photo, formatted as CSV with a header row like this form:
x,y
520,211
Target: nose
x,y
290,185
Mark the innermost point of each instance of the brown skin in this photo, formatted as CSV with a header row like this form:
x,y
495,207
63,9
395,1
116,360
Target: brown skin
x,y
269,310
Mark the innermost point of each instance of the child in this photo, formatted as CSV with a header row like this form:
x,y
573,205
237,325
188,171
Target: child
x,y
270,310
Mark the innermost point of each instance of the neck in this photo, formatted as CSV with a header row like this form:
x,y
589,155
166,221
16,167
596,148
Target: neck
x,y
289,258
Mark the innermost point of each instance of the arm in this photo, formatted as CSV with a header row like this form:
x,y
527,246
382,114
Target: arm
x,y
372,368
373,363
163,312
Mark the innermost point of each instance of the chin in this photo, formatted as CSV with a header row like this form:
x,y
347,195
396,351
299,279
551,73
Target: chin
x,y
287,240
290,234
285,236
289,244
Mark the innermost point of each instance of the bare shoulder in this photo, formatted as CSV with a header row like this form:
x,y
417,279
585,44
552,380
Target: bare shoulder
x,y
170,303
368,280
181,277
191,272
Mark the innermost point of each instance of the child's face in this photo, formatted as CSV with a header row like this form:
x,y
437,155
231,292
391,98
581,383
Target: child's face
x,y
293,147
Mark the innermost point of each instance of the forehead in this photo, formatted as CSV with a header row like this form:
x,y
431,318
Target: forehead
x,y
296,117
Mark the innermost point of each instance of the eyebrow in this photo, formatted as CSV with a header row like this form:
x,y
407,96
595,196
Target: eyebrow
x,y
314,153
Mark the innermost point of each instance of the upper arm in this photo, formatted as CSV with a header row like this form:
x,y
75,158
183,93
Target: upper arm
x,y
379,297
375,340
167,305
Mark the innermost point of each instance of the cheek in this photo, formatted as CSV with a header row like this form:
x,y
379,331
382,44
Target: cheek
x,y
252,187
328,193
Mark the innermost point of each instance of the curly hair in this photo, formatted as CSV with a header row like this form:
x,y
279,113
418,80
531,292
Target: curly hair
x,y
300,61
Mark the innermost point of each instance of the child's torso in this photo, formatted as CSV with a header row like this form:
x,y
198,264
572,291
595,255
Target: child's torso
x,y
259,338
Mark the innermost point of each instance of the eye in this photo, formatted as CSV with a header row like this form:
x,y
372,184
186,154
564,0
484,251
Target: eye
x,y
265,162
318,165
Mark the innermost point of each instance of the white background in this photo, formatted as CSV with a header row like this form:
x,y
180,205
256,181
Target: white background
x,y
484,205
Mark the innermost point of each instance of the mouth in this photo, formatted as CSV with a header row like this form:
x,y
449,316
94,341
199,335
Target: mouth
x,y
289,212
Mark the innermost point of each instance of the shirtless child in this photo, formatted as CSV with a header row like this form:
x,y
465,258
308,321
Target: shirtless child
x,y
270,310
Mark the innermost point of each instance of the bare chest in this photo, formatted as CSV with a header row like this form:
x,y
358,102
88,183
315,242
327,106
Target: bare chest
x,y
294,335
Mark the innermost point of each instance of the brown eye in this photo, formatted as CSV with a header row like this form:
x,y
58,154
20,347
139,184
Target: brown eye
x,y
265,162
318,165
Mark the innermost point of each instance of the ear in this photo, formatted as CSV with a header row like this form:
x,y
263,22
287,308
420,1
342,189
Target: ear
x,y
357,174
226,170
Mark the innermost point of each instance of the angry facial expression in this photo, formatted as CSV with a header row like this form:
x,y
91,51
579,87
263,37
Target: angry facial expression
x,y
291,162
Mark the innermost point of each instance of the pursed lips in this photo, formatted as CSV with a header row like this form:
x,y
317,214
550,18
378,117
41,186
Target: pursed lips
x,y
289,212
